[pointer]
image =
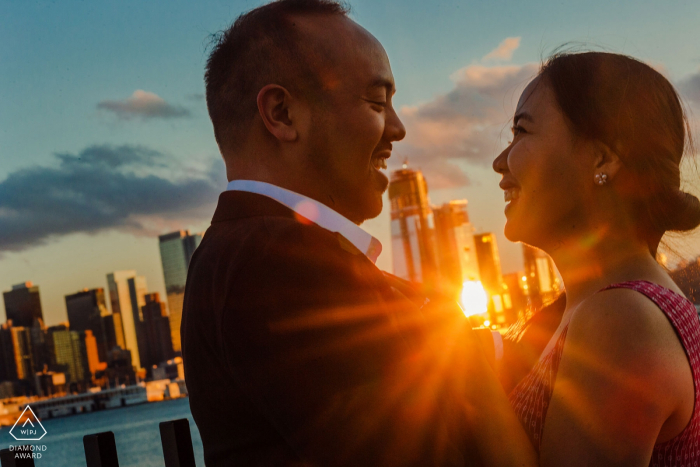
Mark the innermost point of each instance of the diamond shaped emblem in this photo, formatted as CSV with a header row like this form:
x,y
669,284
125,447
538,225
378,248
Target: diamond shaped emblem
x,y
28,427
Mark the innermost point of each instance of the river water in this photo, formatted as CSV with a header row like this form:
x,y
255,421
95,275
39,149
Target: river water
x,y
135,430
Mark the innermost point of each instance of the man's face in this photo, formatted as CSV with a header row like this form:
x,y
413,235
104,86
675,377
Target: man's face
x,y
354,125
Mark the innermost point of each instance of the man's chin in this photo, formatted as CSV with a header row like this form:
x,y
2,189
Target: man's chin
x,y
371,208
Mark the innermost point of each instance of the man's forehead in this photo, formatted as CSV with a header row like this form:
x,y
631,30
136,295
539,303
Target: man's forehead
x,y
341,47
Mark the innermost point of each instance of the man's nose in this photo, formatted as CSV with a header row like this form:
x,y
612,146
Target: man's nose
x,y
395,131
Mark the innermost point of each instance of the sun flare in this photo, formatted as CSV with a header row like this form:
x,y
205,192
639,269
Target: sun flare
x,y
473,298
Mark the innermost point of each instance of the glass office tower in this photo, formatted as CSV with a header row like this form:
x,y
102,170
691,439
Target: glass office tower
x,y
176,250
412,228
22,304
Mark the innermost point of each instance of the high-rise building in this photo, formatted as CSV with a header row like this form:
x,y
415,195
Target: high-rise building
x,y
489,262
114,331
156,327
17,352
126,294
517,295
120,368
40,353
491,277
412,228
87,310
76,352
8,364
91,352
542,279
176,250
456,252
22,304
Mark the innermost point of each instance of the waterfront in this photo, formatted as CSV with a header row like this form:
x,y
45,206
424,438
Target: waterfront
x,y
135,429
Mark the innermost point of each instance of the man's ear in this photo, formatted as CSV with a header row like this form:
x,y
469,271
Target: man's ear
x,y
607,160
274,108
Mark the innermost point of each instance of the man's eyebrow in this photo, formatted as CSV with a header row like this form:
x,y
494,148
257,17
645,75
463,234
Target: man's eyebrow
x,y
382,83
522,116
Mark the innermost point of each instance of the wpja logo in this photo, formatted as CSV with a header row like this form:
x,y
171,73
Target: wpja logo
x,y
28,427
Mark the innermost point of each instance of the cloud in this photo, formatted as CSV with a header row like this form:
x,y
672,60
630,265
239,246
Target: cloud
x,y
465,126
504,51
690,89
126,188
145,105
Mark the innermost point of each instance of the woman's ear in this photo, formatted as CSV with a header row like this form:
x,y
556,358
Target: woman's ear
x,y
274,105
607,161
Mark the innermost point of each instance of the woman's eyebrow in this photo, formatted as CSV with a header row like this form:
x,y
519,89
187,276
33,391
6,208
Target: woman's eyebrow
x,y
522,116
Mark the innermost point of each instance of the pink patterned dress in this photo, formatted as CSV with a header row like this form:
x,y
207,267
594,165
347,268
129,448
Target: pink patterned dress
x,y
530,398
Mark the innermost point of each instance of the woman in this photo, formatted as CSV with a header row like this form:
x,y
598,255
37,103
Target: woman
x,y
592,178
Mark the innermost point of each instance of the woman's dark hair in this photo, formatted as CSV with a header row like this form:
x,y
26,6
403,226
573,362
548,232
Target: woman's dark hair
x,y
635,111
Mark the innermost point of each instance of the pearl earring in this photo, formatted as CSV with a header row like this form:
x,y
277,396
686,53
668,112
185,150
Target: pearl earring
x,y
601,178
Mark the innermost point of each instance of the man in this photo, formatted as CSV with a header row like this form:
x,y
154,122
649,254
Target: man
x,y
296,350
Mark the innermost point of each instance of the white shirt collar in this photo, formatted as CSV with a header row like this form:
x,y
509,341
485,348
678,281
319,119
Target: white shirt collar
x,y
316,212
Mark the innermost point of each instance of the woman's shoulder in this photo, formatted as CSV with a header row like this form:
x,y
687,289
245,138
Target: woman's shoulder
x,y
622,346
627,334
623,319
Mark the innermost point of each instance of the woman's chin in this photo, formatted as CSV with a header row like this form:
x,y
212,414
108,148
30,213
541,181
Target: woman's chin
x,y
511,232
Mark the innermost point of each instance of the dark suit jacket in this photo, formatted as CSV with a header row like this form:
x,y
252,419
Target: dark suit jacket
x,y
296,352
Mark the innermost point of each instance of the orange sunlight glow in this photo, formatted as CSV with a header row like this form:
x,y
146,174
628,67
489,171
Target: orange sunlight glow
x,y
473,298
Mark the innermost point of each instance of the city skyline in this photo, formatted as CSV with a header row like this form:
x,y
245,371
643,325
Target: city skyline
x,y
460,65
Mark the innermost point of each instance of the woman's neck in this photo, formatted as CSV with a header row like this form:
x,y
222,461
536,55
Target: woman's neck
x,y
590,264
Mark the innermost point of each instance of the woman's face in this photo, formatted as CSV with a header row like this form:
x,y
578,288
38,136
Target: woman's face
x,y
547,172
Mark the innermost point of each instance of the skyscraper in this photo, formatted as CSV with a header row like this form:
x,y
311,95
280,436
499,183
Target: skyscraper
x,y
8,364
542,280
176,250
40,353
87,310
489,262
21,351
156,328
126,294
74,350
456,252
517,288
491,277
412,228
22,304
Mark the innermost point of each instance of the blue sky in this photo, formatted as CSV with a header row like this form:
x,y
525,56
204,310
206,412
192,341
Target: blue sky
x,y
67,70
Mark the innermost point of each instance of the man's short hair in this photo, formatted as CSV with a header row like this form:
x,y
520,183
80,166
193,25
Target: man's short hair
x,y
261,47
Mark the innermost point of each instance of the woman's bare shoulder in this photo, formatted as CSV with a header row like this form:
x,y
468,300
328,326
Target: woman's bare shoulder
x,y
624,323
623,383
627,335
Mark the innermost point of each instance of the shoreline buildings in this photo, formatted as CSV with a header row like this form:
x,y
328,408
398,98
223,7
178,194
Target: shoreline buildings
x,y
412,228
157,336
87,310
457,254
435,247
23,304
176,250
543,284
127,295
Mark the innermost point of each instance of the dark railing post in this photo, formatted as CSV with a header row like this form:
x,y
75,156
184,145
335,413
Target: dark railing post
x,y
177,443
7,459
101,450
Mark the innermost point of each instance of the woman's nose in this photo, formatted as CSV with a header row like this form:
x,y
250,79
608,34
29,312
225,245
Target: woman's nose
x,y
500,163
